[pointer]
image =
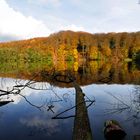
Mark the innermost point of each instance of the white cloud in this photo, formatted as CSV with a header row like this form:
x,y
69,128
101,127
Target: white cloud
x,y
54,3
72,27
77,15
14,23
109,15
43,122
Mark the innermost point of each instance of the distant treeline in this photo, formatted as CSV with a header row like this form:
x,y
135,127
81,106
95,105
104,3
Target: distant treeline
x,y
72,46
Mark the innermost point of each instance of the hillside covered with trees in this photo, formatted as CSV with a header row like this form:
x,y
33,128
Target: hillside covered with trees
x,y
73,46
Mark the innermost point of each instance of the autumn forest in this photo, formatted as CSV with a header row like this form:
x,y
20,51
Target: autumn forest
x,y
74,46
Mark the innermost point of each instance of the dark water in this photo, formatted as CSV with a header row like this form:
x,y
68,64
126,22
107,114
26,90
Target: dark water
x,y
29,115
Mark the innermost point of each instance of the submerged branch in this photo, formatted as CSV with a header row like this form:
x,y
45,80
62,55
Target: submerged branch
x,y
56,117
39,107
118,99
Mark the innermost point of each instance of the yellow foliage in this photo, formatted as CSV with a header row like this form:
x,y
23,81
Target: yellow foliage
x,y
75,53
75,66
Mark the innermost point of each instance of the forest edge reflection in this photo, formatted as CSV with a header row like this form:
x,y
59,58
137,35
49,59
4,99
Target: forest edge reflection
x,y
82,128
86,73
17,88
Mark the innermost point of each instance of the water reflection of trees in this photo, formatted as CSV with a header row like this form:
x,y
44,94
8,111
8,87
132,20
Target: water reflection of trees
x,y
82,129
40,125
132,105
81,116
86,73
21,85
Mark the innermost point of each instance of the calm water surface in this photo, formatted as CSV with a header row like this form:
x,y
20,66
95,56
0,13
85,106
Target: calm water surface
x,y
30,112
23,119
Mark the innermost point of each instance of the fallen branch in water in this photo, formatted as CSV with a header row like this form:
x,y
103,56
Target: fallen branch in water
x,y
56,117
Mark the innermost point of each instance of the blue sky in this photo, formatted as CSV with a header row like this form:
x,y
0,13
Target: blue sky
x,y
22,19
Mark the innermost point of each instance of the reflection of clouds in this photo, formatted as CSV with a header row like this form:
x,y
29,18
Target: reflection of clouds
x,y
43,123
37,98
8,83
40,123
96,90
15,98
36,122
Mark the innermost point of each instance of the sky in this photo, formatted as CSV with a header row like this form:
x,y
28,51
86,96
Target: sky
x,y
23,19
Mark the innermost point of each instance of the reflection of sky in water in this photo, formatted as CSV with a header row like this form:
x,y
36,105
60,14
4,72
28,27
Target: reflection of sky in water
x,y
114,102
21,120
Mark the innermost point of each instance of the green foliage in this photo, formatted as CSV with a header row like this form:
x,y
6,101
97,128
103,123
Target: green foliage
x,y
137,56
69,57
60,47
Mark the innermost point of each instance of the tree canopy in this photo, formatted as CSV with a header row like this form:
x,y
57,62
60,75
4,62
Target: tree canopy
x,y
72,46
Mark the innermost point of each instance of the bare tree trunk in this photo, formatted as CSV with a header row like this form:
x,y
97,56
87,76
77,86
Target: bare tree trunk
x,y
82,130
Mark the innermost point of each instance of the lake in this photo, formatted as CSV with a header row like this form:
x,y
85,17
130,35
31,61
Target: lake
x,y
40,104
